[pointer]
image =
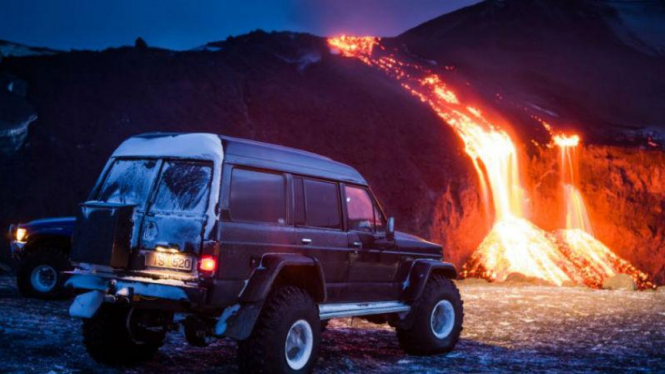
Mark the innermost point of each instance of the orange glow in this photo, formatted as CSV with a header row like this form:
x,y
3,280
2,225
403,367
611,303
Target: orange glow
x,y
514,245
208,263
566,141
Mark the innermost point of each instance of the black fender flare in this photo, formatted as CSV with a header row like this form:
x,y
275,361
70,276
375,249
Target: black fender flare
x,y
241,321
420,272
260,282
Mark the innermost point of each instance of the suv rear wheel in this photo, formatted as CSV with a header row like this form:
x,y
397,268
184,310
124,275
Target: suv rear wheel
x,y
118,335
437,319
39,273
286,336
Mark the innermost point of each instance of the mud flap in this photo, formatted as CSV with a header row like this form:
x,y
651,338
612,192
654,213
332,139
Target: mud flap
x,y
86,305
237,322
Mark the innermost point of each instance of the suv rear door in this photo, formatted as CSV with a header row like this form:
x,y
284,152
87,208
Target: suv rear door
x,y
176,216
129,181
255,218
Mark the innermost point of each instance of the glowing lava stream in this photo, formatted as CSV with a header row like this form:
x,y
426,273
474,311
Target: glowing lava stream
x,y
576,214
593,259
514,245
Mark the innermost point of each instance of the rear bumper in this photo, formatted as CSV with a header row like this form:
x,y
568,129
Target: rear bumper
x,y
136,290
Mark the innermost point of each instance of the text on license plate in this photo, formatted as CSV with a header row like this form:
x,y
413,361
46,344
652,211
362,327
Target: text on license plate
x,y
169,260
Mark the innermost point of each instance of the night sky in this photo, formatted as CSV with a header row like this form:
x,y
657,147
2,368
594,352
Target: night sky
x,y
181,24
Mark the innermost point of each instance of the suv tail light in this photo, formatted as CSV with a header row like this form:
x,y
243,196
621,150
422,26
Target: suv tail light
x,y
209,256
208,264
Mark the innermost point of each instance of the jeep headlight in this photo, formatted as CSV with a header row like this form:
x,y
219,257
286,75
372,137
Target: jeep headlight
x,y
21,234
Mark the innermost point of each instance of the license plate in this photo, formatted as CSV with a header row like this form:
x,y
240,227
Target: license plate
x,y
169,261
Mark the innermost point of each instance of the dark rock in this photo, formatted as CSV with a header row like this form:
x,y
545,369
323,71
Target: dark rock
x,y
473,282
619,282
140,44
15,117
13,84
569,284
519,279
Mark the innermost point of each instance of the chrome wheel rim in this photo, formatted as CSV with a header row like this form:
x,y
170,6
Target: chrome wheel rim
x,y
442,319
299,344
43,278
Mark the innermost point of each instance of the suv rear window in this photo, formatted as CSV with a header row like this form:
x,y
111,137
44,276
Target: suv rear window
x,y
257,197
129,182
322,204
183,187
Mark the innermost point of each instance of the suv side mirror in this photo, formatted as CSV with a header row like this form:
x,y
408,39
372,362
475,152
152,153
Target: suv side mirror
x,y
390,229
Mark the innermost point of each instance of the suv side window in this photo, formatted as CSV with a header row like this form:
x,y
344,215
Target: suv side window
x,y
359,209
257,197
322,204
184,187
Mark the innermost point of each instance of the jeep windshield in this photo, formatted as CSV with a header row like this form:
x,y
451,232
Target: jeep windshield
x,y
129,181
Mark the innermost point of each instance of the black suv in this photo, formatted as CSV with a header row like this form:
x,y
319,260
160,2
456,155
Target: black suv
x,y
252,241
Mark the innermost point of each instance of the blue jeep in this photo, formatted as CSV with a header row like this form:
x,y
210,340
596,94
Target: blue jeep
x,y
42,250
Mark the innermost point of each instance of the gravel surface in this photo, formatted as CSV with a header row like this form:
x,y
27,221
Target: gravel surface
x,y
507,329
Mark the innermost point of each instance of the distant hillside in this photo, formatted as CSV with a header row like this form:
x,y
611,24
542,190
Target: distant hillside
x,y
15,49
598,66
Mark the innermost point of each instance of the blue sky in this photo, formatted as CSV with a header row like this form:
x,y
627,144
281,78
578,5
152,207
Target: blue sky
x,y
180,24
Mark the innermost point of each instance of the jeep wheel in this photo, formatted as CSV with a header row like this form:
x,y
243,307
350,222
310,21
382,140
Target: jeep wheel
x,y
115,335
39,273
286,336
437,319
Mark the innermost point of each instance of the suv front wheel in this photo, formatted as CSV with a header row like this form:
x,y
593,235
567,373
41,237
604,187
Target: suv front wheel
x,y
437,319
286,336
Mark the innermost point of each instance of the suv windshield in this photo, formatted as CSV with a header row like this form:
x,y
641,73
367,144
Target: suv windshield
x,y
129,182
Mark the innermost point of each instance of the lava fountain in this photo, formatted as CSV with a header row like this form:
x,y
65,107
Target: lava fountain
x,y
514,244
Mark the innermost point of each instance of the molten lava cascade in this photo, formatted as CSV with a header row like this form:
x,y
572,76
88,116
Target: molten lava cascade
x,y
576,215
514,245
594,260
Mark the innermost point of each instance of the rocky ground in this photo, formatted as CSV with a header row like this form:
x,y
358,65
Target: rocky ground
x,y
507,329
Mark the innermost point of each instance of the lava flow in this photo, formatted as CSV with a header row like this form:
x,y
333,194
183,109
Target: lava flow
x,y
514,245
593,260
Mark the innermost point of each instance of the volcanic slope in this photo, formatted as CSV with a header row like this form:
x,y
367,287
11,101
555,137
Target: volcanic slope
x,y
282,88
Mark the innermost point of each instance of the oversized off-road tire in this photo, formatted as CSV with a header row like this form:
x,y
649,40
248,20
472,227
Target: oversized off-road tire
x,y
437,319
286,336
108,339
40,275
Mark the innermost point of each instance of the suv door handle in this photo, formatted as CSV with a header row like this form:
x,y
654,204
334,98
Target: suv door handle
x,y
306,241
357,244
